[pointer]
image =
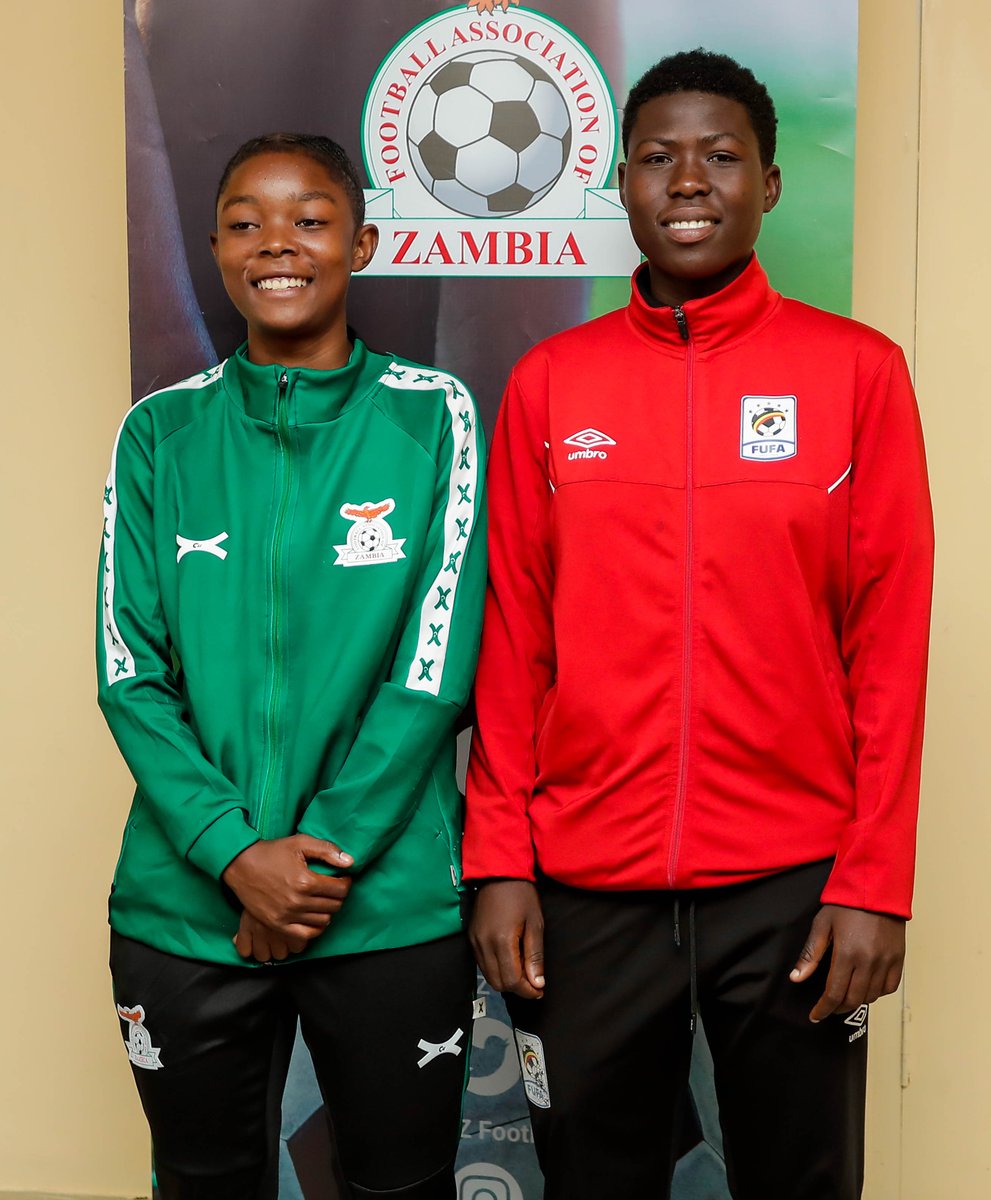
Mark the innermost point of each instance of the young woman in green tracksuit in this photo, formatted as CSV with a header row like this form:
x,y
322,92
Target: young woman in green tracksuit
x,y
290,600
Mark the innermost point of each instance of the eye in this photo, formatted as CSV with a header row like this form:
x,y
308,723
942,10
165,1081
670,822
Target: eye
x,y
239,226
310,222
723,156
658,158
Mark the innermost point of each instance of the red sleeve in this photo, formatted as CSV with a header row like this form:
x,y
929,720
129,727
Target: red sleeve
x,y
516,662
885,642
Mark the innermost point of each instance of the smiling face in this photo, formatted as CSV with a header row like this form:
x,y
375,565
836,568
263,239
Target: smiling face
x,y
286,245
695,191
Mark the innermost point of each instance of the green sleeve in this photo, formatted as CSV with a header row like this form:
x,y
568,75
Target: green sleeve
x,y
415,708
201,812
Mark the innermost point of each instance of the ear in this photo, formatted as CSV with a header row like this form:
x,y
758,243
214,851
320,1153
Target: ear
x,y
215,247
366,242
621,171
772,186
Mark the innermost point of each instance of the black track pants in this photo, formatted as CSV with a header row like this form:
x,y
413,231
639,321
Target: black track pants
x,y
606,1062
389,1034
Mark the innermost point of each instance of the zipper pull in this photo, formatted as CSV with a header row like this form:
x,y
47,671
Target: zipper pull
x,y
281,400
682,322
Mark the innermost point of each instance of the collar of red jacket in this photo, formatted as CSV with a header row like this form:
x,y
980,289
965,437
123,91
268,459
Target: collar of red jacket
x,y
712,321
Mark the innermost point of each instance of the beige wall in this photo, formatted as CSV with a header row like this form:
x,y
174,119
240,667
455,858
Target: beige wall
x,y
947,1112
68,1121
921,265
884,295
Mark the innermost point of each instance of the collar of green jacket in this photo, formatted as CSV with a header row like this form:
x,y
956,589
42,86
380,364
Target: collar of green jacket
x,y
310,396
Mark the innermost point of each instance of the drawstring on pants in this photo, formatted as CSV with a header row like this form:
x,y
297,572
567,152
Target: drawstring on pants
x,y
693,983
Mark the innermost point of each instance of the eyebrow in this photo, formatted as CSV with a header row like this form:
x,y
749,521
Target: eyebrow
x,y
246,199
317,196
707,139
718,137
232,200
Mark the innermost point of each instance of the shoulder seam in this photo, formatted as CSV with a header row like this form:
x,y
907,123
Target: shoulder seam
x,y
428,380
193,383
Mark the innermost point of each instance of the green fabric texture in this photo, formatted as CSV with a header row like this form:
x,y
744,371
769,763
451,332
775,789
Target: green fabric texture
x,y
291,590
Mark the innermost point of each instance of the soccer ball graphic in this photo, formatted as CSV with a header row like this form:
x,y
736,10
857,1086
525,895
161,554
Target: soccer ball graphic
x,y
769,421
489,134
366,536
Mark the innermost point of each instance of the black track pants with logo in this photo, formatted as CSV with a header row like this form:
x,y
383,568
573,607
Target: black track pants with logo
x,y
389,1034
625,971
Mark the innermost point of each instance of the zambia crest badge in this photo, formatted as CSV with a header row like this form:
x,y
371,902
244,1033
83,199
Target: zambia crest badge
x,y
370,538
139,1048
768,428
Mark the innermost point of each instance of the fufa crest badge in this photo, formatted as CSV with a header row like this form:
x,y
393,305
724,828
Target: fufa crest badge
x,y
533,1068
139,1048
768,428
370,538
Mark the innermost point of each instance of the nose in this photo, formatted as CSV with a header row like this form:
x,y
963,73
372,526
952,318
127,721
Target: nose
x,y
689,179
278,239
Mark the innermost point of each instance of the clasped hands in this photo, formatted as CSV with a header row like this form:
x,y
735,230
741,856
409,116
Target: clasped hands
x,y
286,905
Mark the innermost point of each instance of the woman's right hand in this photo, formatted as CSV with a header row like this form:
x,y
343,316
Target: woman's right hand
x,y
273,881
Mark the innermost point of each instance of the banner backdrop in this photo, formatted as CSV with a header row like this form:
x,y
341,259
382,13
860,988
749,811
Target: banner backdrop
x,y
488,140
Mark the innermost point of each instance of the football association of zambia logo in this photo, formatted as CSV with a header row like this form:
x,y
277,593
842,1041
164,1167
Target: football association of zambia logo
x,y
490,138
768,428
139,1048
370,538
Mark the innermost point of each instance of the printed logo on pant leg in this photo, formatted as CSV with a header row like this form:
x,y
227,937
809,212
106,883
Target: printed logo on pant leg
x,y
533,1068
858,1019
139,1048
434,1050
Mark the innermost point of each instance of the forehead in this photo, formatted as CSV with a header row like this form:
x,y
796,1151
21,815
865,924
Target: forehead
x,y
688,116
277,174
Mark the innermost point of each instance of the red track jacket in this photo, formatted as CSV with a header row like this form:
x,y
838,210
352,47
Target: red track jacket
x,y
705,640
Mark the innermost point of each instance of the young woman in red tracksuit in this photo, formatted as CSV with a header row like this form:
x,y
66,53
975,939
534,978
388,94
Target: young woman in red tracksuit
x,y
695,776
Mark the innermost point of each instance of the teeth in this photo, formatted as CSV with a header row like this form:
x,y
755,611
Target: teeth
x,y
689,224
281,283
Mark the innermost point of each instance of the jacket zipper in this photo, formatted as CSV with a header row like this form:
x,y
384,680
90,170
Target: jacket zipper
x,y
686,663
277,631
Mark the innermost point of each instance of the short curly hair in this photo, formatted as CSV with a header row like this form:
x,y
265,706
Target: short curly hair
x,y
321,149
706,71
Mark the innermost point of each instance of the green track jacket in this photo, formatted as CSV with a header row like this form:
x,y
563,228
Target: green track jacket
x,y
291,590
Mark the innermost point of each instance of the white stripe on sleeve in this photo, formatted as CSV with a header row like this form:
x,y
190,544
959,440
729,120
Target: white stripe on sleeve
x,y
119,661
426,671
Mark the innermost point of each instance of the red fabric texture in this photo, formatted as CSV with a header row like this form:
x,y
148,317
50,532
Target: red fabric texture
x,y
703,662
